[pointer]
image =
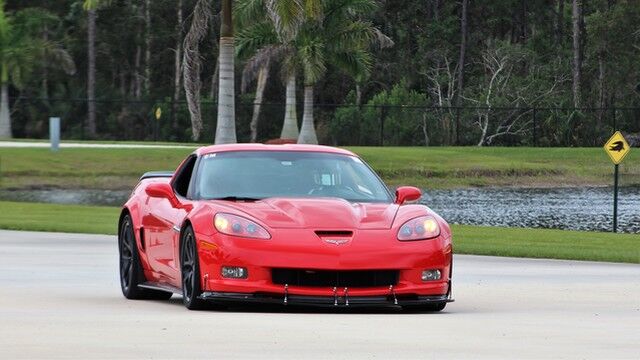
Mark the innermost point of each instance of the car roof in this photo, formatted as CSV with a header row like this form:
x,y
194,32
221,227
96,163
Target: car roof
x,y
265,147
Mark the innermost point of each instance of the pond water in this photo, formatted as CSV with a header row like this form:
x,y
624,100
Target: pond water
x,y
588,208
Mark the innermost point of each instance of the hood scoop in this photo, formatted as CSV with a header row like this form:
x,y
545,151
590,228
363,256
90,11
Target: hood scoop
x,y
336,238
336,233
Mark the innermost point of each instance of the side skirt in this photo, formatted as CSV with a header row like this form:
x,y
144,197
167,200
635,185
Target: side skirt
x,y
161,287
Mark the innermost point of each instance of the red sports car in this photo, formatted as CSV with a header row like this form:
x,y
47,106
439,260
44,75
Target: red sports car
x,y
286,224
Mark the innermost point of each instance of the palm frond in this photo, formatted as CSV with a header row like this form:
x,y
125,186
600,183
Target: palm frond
x,y
95,4
61,58
286,16
313,58
262,58
251,39
356,62
338,8
247,12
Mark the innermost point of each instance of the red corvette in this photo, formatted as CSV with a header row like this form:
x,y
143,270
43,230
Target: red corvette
x,y
287,224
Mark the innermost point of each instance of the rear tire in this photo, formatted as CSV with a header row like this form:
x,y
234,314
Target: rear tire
x,y
190,270
131,273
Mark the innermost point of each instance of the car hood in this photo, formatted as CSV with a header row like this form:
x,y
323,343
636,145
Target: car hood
x,y
319,213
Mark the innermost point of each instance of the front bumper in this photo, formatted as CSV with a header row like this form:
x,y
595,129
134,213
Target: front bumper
x,y
301,249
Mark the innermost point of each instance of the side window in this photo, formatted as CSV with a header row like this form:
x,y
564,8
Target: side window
x,y
183,178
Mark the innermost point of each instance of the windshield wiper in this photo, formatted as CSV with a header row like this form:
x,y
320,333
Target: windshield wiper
x,y
236,198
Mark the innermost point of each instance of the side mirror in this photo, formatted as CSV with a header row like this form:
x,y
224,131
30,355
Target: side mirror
x,y
407,193
162,190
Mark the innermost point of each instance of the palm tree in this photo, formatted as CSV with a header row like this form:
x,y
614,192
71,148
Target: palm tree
x,y
226,125
268,30
20,48
192,63
310,35
91,7
340,39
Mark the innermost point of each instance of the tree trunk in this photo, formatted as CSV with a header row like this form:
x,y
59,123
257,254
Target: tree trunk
x,y
559,28
523,22
137,90
147,47
358,95
463,49
601,90
290,126
191,64
577,51
177,69
91,74
213,95
308,130
263,74
226,126
5,114
45,68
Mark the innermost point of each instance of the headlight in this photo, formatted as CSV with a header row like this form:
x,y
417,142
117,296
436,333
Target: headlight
x,y
238,226
424,227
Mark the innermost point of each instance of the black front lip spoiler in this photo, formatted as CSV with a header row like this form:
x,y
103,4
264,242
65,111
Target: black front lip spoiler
x,y
323,301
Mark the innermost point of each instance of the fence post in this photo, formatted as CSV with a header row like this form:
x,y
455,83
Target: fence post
x,y
458,126
535,135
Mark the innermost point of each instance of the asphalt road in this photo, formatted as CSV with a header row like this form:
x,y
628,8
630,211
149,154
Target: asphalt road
x,y
60,298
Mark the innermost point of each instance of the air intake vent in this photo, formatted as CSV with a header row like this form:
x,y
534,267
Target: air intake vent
x,y
330,278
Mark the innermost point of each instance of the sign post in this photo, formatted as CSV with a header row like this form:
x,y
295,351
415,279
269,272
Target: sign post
x,y
617,148
156,128
54,133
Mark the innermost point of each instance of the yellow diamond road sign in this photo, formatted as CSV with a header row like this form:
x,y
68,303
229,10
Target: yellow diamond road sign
x,y
158,113
617,148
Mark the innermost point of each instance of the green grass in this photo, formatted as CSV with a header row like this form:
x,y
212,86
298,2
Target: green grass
x,y
515,242
58,218
446,167
545,243
432,167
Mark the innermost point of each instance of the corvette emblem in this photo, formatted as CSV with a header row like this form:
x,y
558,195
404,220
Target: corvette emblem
x,y
336,242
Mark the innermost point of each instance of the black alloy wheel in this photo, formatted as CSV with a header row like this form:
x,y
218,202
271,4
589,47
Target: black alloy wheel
x,y
190,269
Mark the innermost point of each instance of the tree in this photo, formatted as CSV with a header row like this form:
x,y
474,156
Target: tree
x,y
177,74
501,88
91,7
337,38
226,125
577,51
192,64
268,31
20,48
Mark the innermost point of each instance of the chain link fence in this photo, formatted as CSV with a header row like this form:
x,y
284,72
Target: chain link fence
x,y
341,125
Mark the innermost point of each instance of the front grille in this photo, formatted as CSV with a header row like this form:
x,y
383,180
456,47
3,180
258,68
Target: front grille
x,y
331,278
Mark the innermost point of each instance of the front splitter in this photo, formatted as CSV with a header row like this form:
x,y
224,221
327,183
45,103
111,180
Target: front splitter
x,y
324,301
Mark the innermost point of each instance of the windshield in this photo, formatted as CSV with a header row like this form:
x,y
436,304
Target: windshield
x,y
261,174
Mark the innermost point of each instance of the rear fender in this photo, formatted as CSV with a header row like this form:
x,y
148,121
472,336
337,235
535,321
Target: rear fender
x,y
134,210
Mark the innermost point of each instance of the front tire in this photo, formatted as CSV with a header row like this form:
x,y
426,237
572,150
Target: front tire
x,y
131,273
190,269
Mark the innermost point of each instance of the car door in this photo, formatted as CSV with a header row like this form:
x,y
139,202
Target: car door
x,y
166,219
